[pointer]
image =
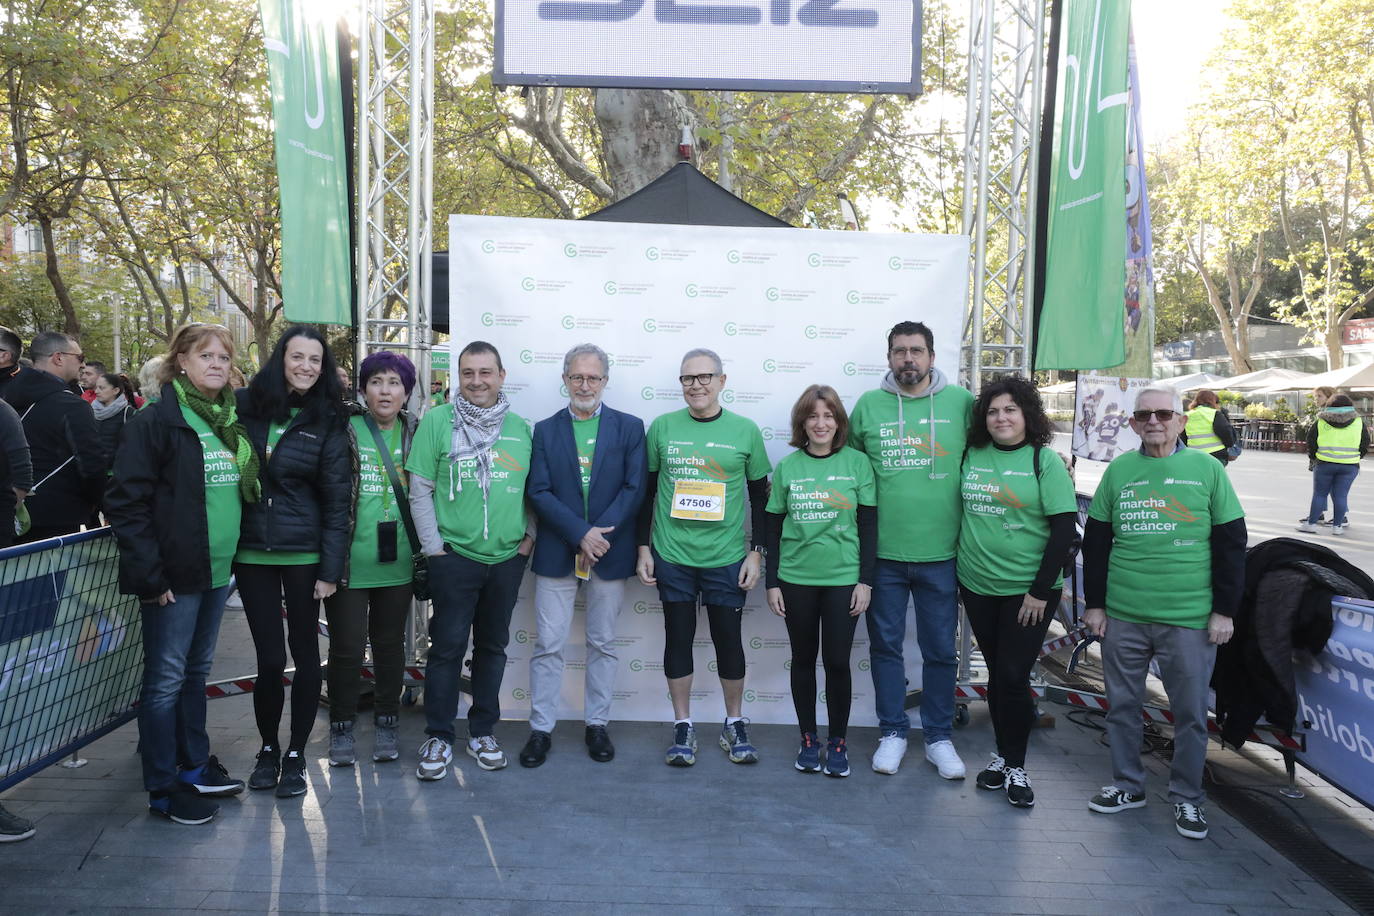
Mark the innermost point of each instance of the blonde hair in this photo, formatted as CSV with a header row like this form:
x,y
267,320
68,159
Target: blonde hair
x,y
191,338
1323,394
147,376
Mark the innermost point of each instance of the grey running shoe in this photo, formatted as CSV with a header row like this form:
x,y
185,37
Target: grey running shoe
x,y
384,742
14,828
487,752
341,752
734,740
435,756
683,752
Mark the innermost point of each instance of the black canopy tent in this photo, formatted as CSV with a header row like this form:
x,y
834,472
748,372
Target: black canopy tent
x,y
681,196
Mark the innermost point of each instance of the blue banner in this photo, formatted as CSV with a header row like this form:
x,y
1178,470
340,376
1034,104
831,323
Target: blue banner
x,y
1336,696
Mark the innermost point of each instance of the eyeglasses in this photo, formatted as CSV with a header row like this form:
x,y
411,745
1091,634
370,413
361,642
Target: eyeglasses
x,y
80,356
1163,416
901,352
703,379
586,379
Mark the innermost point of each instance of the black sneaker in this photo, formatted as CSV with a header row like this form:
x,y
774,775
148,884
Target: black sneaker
x,y
994,775
292,781
1019,788
211,779
1111,800
266,770
181,804
1190,821
14,828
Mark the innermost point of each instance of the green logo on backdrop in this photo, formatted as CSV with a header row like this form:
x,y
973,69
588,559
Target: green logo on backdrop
x,y
691,290
731,329
527,284
520,693
850,369
650,325
728,396
750,696
756,642
488,246
772,293
646,393
767,433
651,253
488,319
712,666
526,356
610,288
522,636
636,664
770,365
811,332
894,263
732,256
787,665
641,607
570,250
813,259
865,664
568,322
852,297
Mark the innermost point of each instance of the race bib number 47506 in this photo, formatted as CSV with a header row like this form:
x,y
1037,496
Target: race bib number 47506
x,y
700,500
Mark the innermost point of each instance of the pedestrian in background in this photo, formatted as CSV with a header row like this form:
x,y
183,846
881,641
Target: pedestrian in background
x,y
1335,444
1208,428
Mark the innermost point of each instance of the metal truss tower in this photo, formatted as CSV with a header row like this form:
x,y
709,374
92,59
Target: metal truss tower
x,y
1006,65
396,178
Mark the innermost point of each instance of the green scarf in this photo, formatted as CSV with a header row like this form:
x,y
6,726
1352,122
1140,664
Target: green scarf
x,y
221,415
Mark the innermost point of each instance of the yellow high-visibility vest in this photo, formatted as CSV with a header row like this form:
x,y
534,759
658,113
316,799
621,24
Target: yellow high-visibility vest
x,y
1339,444
1199,429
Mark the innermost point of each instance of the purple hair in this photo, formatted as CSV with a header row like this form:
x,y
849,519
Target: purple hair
x,y
387,361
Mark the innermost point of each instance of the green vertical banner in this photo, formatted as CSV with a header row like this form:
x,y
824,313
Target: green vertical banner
x,y
312,167
1081,322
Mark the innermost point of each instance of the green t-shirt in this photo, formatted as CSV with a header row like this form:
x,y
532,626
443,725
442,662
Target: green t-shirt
x,y
1006,517
584,434
377,503
459,511
277,557
1162,511
821,499
223,505
704,455
917,472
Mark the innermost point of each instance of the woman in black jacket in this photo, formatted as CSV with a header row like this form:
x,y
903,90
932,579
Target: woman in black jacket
x,y
115,402
294,542
181,476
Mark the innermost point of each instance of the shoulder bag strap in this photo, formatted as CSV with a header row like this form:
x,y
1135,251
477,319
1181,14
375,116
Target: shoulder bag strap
x,y
397,489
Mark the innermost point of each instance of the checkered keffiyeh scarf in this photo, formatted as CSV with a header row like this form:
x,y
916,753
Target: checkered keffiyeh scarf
x,y
475,431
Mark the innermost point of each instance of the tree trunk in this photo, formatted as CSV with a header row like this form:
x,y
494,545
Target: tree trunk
x,y
1335,349
71,322
640,129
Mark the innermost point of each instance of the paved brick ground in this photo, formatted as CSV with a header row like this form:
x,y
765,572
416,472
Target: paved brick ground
x,y
634,835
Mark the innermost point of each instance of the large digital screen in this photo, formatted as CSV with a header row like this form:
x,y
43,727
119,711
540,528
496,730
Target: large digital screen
x,y
778,45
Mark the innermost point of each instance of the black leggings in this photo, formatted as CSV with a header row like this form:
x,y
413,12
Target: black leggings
x,y
353,615
263,589
818,619
680,629
1010,651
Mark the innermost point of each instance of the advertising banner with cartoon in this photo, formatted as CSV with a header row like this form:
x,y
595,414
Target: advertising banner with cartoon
x,y
783,309
1102,406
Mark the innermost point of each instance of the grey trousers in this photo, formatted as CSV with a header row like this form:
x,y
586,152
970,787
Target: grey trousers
x,y
1185,659
553,611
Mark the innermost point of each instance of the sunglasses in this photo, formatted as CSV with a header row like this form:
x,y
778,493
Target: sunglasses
x,y
1163,416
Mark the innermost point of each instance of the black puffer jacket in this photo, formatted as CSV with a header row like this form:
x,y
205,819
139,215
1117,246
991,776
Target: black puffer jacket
x,y
156,503
306,487
62,434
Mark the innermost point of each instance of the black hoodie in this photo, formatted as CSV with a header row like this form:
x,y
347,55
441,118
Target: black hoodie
x,y
62,434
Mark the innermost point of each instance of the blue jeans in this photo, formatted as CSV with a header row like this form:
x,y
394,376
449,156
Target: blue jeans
x,y
178,645
1330,478
468,597
932,587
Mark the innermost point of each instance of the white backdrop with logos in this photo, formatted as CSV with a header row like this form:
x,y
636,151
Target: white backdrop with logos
x,y
783,309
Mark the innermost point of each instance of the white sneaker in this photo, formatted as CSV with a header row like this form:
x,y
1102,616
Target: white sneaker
x,y
435,756
946,759
1338,529
1307,528
888,757
486,752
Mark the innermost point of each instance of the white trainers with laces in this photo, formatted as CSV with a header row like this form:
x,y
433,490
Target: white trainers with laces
x,y
946,759
888,757
486,752
435,756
